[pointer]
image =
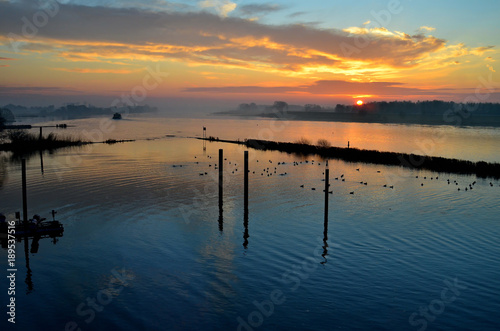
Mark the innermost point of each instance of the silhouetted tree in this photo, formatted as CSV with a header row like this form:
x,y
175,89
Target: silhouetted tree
x,y
303,141
6,116
323,143
280,106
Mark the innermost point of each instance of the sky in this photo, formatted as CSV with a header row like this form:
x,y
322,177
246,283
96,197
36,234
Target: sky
x,y
226,52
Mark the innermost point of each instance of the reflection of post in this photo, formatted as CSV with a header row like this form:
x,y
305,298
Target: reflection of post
x,y
325,241
221,219
25,225
28,280
35,244
25,203
325,225
245,170
221,169
245,234
41,161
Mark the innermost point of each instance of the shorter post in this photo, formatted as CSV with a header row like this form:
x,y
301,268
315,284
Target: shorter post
x,y
40,137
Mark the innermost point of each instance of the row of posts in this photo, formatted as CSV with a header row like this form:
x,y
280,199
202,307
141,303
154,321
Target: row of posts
x,y
245,196
221,191
245,180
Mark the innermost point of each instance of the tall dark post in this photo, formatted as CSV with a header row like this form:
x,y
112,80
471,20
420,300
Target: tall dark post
x,y
246,180
40,138
245,217
221,170
25,203
327,180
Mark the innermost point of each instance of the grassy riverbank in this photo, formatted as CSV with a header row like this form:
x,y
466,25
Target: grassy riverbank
x,y
439,164
20,141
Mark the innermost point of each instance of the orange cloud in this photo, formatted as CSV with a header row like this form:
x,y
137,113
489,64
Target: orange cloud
x,y
203,38
96,71
121,40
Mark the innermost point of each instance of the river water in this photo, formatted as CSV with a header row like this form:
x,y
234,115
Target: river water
x,y
146,246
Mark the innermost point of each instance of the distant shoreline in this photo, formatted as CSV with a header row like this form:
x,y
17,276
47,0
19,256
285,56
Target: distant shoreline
x,y
24,142
481,169
479,120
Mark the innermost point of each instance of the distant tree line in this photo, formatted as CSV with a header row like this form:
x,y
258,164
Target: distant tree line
x,y
426,108
74,110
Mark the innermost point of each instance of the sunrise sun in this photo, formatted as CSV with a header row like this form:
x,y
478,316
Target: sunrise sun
x,y
359,102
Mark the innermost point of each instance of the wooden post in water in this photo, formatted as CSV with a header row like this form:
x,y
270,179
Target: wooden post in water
x,y
25,202
245,198
246,180
221,170
327,186
40,137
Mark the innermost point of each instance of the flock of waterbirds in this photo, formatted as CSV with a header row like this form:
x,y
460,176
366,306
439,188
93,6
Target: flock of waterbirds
x,y
273,168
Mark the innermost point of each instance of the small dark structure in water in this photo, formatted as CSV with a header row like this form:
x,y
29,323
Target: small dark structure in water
x,y
117,116
49,228
35,227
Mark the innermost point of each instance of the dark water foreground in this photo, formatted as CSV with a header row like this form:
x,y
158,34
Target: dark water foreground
x,y
440,164
146,246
